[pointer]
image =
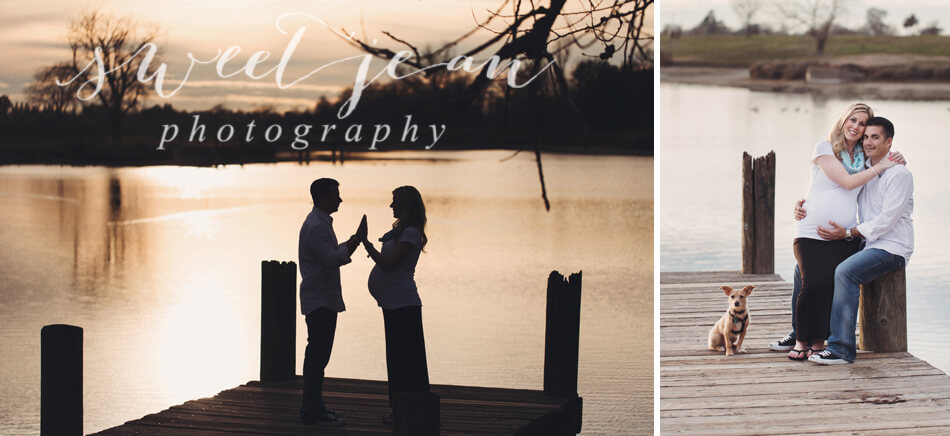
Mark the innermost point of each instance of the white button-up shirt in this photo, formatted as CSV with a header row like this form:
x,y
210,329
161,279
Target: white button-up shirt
x,y
885,206
320,259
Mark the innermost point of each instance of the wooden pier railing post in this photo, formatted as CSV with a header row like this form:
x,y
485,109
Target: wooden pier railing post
x,y
278,320
60,380
561,334
758,214
883,314
416,413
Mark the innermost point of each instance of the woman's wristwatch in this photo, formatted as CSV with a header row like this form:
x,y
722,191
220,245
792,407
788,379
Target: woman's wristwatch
x,y
847,235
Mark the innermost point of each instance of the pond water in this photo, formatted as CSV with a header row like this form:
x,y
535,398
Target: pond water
x,y
161,268
705,130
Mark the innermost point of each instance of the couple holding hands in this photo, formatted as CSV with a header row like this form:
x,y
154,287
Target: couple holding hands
x,y
391,283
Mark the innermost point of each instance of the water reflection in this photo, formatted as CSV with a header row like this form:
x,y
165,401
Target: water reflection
x,y
161,267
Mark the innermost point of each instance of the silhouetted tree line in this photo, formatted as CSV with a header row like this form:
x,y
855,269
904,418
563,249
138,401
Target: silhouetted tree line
x,y
615,102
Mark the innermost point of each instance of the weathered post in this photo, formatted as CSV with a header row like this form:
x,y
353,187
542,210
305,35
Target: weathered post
x,y
561,345
60,380
416,413
758,214
883,314
278,320
561,334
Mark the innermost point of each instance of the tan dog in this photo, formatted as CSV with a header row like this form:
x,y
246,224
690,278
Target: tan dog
x,y
733,325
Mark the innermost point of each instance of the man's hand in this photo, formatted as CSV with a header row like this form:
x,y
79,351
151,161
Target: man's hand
x,y
361,230
353,243
799,212
834,233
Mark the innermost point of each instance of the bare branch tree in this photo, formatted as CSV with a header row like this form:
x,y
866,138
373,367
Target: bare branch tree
x,y
534,33
119,39
818,17
876,24
746,10
45,93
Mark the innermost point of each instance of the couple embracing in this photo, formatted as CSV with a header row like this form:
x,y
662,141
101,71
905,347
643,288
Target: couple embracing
x,y
854,225
391,283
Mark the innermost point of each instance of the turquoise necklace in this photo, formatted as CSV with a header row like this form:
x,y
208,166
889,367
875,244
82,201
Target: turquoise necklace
x,y
853,166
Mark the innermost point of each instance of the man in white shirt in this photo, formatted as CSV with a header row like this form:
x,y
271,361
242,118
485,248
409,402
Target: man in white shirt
x,y
321,297
884,206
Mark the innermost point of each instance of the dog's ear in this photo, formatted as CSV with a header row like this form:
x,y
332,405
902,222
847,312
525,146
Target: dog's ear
x,y
748,290
726,289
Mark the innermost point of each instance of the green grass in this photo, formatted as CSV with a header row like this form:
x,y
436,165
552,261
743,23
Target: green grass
x,y
742,51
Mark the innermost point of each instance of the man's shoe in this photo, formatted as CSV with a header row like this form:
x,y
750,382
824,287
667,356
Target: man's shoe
x,y
326,418
826,357
336,413
785,344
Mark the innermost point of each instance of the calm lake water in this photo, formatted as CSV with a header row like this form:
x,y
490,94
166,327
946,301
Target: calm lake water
x,y
161,267
704,131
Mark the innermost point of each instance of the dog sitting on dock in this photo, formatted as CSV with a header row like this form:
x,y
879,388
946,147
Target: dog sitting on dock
x,y
730,330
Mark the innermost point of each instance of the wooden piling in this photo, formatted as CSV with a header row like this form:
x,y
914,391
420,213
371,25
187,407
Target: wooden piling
x,y
415,413
562,334
60,380
278,320
758,214
883,314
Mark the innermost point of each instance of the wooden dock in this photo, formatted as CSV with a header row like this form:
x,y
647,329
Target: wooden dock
x,y
272,409
270,406
763,392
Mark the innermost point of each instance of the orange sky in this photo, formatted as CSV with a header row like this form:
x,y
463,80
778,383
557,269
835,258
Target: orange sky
x,y
32,34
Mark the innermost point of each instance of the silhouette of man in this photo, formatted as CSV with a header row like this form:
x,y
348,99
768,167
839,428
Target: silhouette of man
x,y
321,297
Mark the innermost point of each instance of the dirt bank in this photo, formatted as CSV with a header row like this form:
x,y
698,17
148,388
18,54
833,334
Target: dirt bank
x,y
884,77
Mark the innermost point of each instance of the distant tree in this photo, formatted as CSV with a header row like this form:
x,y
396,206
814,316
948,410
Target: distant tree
x,y
44,92
710,26
5,105
876,24
839,29
746,10
119,39
932,29
674,31
911,21
818,17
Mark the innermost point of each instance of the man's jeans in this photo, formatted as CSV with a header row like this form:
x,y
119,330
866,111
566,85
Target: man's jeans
x,y
796,289
863,267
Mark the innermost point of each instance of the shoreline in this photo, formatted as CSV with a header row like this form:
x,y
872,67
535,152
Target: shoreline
x,y
215,158
740,78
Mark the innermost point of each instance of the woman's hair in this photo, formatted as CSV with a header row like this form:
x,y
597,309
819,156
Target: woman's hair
x,y
412,211
836,138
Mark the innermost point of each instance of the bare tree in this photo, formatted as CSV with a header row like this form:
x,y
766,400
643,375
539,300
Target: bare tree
x,y
818,17
44,92
746,10
876,24
118,40
533,33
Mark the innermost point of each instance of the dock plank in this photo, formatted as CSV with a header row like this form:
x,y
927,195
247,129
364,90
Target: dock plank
x,y
763,392
271,408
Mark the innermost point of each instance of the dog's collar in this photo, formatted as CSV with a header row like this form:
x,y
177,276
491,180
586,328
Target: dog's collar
x,y
736,320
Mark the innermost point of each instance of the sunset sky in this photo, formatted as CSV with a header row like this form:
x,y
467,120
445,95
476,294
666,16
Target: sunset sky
x,y
33,34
